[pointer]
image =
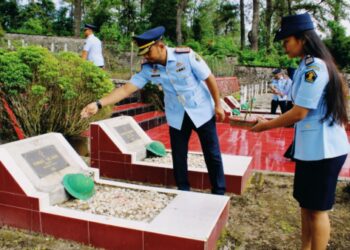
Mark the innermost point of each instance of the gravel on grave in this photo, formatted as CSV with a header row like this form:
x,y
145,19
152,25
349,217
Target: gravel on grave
x,y
124,203
193,160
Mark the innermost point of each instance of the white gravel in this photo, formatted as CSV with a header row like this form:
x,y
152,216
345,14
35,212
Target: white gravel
x,y
123,203
193,160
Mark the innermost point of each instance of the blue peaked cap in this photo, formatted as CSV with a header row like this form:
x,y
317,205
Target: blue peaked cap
x,y
148,38
294,24
90,26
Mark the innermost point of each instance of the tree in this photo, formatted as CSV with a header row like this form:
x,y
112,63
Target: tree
x,y
339,44
268,17
241,13
9,14
226,18
203,26
162,12
255,26
77,7
37,18
181,5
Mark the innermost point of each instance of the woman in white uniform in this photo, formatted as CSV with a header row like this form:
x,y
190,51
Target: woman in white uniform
x,y
319,113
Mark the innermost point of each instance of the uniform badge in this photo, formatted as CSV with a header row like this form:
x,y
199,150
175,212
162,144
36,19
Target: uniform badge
x,y
180,66
310,76
198,57
309,60
180,69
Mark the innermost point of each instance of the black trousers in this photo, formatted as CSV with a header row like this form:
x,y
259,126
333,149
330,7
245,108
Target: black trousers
x,y
211,149
275,104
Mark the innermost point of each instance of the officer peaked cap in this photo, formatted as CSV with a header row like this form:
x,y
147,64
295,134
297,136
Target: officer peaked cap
x,y
148,38
294,24
90,26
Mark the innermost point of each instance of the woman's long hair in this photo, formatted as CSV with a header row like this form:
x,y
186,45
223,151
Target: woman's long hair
x,y
336,91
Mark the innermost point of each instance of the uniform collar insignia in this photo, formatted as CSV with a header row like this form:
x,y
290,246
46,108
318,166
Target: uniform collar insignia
x,y
182,50
309,60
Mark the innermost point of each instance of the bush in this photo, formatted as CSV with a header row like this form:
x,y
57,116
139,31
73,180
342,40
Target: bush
x,y
262,59
32,27
47,91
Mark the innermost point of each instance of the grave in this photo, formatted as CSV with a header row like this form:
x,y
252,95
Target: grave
x,y
32,198
118,150
232,102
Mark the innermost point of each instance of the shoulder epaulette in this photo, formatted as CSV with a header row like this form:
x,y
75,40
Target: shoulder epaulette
x,y
182,50
309,60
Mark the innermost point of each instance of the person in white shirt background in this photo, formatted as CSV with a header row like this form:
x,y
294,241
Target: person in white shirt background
x,y
92,50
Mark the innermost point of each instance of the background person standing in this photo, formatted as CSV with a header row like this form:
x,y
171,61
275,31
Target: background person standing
x,y
92,50
280,85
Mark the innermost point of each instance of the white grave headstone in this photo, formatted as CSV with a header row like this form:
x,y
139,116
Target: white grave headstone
x,y
44,160
127,135
224,105
244,93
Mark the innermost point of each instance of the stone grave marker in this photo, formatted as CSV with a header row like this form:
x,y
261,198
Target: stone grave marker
x,y
232,102
44,160
33,198
128,135
118,150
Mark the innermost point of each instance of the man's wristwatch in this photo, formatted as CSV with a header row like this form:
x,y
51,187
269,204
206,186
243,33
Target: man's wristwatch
x,y
98,103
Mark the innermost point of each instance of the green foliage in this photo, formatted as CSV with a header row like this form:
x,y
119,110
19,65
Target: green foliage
x,y
152,94
9,14
194,45
47,91
163,12
2,32
339,45
263,59
32,27
14,74
219,66
222,47
63,23
110,32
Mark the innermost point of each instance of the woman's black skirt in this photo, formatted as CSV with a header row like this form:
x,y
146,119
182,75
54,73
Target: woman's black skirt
x,y
315,182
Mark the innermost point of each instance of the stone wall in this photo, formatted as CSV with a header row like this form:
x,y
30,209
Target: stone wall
x,y
252,75
56,44
53,43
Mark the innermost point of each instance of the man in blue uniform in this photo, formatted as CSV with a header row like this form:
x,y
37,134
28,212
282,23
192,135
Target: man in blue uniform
x,y
191,99
280,87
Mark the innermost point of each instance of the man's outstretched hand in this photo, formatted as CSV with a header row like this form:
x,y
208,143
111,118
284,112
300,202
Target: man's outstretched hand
x,y
89,110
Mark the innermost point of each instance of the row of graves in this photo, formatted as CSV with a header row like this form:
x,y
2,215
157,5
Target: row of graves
x,y
47,187
122,200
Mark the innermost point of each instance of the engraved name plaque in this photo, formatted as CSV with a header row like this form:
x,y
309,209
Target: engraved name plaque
x,y
45,161
127,133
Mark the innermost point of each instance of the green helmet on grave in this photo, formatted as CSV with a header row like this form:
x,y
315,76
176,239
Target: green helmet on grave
x,y
79,186
157,148
236,112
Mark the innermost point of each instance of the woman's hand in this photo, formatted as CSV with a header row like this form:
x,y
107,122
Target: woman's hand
x,y
260,126
89,110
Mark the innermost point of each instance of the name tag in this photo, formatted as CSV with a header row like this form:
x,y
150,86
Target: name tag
x,y
180,69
